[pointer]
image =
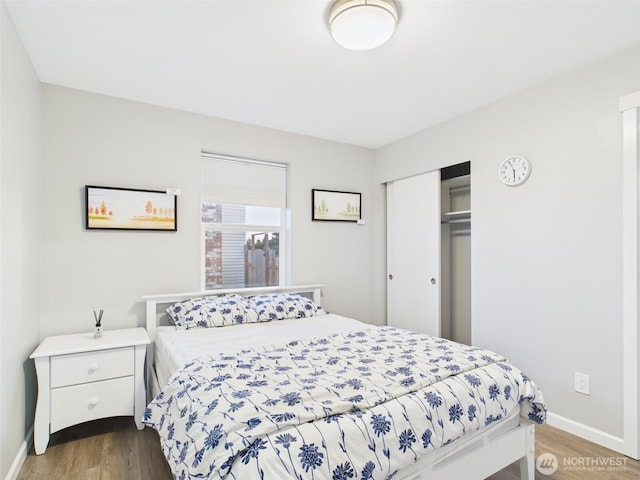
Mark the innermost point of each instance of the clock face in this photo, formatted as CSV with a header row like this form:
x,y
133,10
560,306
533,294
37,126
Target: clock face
x,y
514,170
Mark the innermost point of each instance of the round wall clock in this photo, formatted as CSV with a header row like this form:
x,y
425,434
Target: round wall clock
x,y
514,170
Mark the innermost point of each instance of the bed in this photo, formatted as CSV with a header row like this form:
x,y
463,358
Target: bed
x,y
288,390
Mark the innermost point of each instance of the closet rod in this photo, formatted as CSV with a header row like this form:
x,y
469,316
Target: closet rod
x,y
456,220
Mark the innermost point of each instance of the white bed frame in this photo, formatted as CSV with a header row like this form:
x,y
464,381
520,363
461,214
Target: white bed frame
x,y
485,458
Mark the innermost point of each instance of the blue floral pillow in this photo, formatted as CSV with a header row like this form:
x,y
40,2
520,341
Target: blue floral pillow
x,y
278,306
187,312
212,312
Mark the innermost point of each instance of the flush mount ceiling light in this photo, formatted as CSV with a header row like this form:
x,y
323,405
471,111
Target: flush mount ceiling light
x,y
362,24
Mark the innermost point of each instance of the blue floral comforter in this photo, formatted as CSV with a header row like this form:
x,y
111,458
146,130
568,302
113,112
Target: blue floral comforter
x,y
360,405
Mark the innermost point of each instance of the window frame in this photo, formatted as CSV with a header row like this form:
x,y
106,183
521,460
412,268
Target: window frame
x,y
283,229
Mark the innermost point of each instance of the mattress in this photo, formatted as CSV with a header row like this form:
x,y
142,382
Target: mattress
x,y
174,348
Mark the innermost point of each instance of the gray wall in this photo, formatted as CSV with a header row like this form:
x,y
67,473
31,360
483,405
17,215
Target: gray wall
x,y
546,256
20,154
94,139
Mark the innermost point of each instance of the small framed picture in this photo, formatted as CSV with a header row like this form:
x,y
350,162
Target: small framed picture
x,y
110,208
335,206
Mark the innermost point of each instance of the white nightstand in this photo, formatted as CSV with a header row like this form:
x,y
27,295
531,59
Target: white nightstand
x,y
82,378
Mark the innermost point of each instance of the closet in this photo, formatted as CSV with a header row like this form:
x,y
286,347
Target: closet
x,y
429,253
455,198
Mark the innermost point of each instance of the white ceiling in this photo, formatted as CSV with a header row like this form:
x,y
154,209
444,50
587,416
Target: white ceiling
x,y
274,63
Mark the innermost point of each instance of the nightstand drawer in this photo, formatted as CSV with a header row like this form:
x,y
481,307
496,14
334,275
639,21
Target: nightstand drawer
x,y
81,403
86,367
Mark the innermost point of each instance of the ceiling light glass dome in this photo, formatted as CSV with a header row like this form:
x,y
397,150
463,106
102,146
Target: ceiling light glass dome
x,y
362,24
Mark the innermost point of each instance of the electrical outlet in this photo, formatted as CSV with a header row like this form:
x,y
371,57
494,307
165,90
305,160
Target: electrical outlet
x,y
581,383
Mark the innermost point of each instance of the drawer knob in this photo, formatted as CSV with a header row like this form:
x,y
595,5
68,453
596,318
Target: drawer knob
x,y
93,367
93,402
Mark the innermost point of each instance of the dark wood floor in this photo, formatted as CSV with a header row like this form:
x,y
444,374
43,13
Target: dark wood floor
x,y
112,449
108,449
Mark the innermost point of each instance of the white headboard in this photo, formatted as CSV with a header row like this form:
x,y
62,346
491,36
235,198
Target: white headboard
x,y
156,304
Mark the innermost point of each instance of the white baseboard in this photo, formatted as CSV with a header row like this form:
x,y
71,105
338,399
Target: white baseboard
x,y
14,470
588,433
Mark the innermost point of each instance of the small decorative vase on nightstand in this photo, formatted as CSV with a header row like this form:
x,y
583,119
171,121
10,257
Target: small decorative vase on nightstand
x,y
97,333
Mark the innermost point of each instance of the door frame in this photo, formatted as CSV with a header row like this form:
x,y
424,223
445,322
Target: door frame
x,y
630,110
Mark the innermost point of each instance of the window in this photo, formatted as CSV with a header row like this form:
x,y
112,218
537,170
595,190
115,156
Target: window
x,y
243,214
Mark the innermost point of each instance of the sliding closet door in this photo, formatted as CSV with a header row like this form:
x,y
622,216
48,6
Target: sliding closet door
x,y
413,253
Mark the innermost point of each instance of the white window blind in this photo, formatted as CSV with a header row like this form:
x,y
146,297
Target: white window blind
x,y
243,214
240,181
